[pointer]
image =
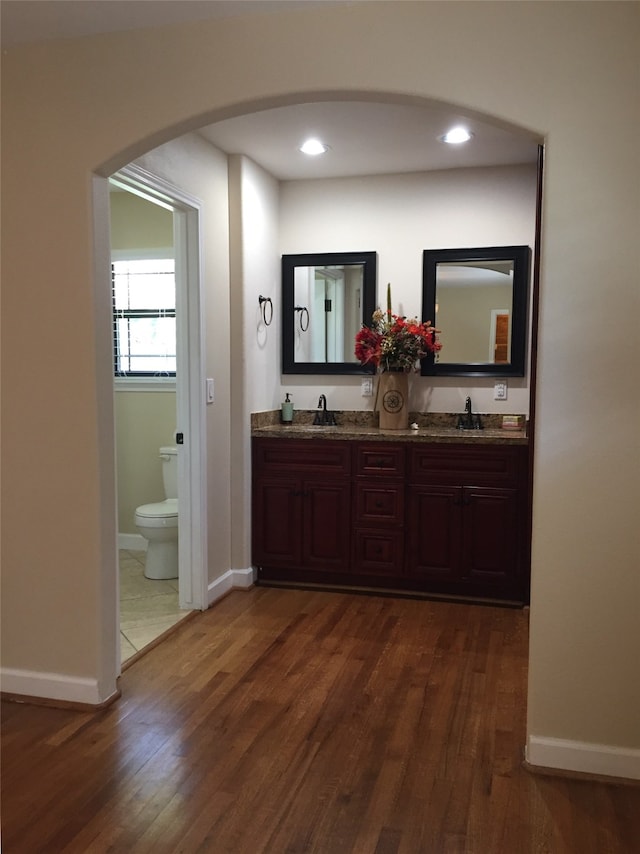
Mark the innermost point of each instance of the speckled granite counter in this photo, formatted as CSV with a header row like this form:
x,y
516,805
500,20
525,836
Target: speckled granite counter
x,y
432,427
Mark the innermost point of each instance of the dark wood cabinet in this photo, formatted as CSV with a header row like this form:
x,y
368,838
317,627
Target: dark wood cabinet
x,y
466,531
325,525
434,553
446,519
379,508
301,506
459,532
490,534
277,521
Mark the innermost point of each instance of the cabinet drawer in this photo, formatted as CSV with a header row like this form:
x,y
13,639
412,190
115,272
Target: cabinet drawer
x,y
378,552
381,459
289,455
491,465
379,503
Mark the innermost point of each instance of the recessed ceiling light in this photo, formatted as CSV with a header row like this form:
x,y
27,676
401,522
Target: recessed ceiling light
x,y
312,147
456,135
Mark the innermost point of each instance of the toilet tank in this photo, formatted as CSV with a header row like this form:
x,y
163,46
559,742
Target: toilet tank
x,y
169,457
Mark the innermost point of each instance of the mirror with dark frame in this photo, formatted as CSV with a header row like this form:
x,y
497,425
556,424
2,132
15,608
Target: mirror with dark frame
x,y
478,298
326,297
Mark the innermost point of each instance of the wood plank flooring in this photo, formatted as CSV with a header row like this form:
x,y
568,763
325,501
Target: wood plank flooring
x,y
286,721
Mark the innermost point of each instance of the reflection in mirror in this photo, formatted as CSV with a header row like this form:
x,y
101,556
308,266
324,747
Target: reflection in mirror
x,y
478,297
476,301
324,299
328,300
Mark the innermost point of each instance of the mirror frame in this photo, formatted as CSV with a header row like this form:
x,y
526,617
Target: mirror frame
x,y
369,261
520,255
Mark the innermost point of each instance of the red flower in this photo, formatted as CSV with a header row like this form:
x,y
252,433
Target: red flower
x,y
395,342
368,343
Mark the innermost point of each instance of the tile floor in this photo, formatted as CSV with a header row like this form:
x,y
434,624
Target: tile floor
x,y
147,607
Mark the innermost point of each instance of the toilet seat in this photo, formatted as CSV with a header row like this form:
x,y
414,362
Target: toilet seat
x,y
162,514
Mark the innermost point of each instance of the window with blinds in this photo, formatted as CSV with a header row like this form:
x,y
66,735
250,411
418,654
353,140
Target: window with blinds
x,y
144,317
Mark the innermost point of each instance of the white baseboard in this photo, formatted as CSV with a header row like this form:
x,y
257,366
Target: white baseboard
x,y
51,686
584,757
233,579
132,542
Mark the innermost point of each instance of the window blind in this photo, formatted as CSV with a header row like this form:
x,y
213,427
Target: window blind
x,y
144,317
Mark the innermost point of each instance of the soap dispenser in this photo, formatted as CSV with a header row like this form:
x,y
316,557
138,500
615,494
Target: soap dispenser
x,y
287,410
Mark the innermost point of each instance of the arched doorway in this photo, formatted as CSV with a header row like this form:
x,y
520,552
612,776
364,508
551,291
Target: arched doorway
x,y
238,437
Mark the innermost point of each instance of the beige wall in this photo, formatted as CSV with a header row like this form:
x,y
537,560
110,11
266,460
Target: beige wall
x,y
139,224
145,421
398,216
255,348
77,104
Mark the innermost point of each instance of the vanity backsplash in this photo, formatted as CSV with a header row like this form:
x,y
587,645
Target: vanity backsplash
x,y
360,418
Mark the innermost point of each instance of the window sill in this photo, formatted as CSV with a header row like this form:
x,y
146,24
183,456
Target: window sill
x,y
144,384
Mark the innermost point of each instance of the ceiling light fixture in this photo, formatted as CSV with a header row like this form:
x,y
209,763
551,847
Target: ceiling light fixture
x,y
313,147
456,135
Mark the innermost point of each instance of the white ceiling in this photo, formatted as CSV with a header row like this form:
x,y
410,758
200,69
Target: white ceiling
x,y
365,138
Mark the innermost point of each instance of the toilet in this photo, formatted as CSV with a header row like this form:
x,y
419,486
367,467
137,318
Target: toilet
x,y
158,523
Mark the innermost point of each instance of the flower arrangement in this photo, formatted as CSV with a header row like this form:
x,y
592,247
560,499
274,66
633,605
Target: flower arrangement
x,y
395,343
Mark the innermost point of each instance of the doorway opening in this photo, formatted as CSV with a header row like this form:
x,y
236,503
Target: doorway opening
x,y
158,407
238,455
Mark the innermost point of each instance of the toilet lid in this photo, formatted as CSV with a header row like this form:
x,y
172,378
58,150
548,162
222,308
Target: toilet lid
x,y
161,508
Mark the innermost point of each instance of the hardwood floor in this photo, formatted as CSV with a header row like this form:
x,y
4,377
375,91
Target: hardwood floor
x,y
285,721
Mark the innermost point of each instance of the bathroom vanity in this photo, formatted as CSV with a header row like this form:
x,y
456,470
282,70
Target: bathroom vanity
x,y
433,511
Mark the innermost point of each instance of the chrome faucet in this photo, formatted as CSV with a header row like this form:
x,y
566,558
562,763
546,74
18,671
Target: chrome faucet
x,y
323,418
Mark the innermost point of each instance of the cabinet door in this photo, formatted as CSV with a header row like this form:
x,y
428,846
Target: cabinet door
x,y
434,532
326,524
378,552
379,504
380,460
490,534
276,521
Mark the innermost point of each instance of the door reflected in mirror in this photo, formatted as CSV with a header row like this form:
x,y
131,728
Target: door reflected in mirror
x,y
478,298
325,298
328,301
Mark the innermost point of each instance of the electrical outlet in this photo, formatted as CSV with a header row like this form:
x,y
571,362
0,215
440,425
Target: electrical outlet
x,y
366,389
500,391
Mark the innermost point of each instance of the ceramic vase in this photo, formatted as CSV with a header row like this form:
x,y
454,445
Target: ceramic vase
x,y
393,400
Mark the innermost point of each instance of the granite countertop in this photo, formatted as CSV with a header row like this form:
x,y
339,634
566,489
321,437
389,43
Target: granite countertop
x,y
432,427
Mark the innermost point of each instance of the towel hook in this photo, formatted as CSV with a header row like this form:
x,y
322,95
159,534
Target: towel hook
x,y
266,309
303,317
